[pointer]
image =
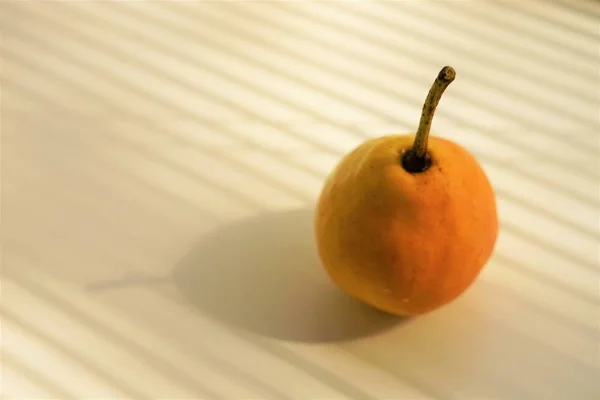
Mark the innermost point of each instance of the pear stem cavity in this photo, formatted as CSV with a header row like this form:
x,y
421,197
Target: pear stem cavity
x,y
416,159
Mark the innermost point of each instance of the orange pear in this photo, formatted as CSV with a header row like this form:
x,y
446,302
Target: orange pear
x,y
406,222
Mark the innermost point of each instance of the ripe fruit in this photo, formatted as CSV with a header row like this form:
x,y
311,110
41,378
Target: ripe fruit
x,y
405,223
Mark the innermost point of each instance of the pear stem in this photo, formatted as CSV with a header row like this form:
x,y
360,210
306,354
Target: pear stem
x,y
416,158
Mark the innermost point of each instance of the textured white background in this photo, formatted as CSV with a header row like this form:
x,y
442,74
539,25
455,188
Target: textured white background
x,y
159,162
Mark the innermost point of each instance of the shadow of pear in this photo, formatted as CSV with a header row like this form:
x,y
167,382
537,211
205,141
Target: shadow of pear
x,y
264,275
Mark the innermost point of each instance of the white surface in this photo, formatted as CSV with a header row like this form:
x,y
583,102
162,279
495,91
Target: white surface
x,y
136,133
